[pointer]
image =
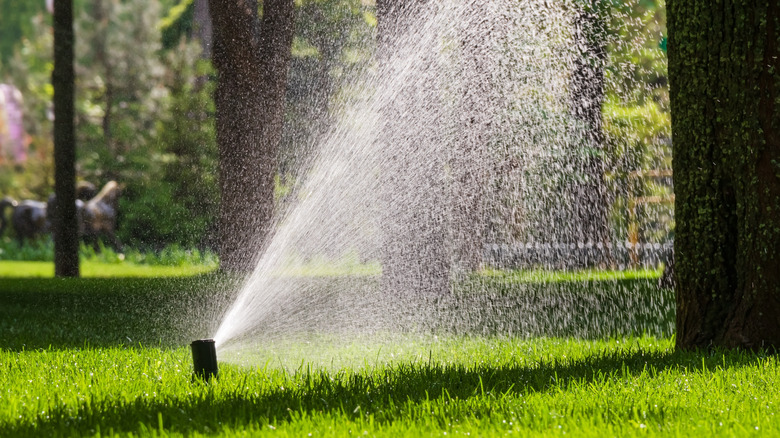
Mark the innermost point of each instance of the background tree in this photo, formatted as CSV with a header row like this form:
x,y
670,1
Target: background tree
x,y
331,48
161,122
588,195
145,120
16,23
30,69
636,122
724,72
251,59
188,18
66,239
173,201
121,89
416,260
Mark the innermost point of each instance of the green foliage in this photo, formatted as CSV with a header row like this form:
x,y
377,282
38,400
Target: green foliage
x,y
177,23
120,89
17,23
329,45
144,118
37,250
148,215
178,199
147,122
638,139
30,70
636,118
172,255
637,70
637,136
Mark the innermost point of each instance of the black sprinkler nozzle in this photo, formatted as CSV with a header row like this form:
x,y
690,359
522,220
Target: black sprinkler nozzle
x,y
204,358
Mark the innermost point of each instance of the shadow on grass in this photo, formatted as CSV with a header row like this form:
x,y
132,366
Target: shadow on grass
x,y
69,313
63,314
385,395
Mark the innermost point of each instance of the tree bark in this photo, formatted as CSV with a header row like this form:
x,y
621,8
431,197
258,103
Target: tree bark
x,y
416,258
202,28
251,59
478,94
589,197
724,71
66,240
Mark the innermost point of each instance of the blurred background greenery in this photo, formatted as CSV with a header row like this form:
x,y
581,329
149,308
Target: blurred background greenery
x,y
145,113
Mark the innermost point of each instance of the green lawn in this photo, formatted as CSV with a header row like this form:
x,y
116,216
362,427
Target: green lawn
x,y
20,269
544,276
108,357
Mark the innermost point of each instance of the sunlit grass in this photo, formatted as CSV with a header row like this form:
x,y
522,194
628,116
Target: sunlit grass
x,y
315,269
471,386
318,267
93,269
108,357
547,276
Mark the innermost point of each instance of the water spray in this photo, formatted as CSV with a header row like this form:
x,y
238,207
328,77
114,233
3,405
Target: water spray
x,y
204,359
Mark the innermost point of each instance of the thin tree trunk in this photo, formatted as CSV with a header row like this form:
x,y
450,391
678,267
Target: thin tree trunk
x,y
251,60
66,243
724,71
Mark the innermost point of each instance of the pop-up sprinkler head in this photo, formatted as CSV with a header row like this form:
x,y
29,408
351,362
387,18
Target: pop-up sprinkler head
x,y
204,358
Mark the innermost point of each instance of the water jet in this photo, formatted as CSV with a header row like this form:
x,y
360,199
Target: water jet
x,y
461,144
204,359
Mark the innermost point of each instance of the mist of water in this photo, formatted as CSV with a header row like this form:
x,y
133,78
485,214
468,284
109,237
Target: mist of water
x,y
457,141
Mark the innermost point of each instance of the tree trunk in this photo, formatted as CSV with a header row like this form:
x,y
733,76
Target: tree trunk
x,y
202,29
588,196
251,60
416,259
66,240
724,71
478,96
